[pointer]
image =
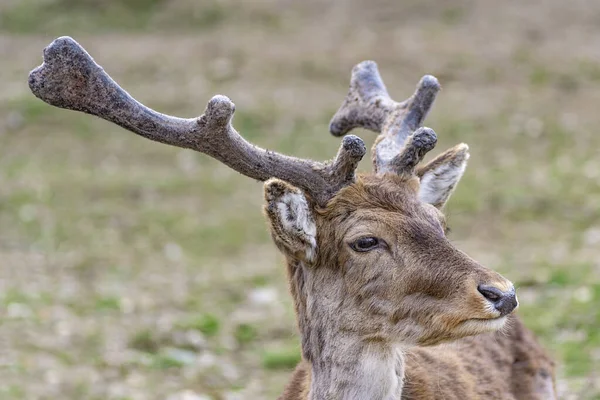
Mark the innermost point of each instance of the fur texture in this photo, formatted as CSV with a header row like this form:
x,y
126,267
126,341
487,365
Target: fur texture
x,y
507,365
371,322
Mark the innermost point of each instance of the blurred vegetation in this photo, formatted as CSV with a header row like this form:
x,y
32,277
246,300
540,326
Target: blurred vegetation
x,y
131,270
126,16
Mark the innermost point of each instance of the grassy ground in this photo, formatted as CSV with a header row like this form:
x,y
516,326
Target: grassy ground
x,y
131,270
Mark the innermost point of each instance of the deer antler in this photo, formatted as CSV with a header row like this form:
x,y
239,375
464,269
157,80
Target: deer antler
x,y
368,105
69,78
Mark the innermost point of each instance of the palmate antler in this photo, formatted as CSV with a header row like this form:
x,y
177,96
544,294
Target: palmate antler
x,y
401,144
69,78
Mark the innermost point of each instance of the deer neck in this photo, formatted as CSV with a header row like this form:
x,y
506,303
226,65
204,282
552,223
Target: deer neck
x,y
344,365
358,371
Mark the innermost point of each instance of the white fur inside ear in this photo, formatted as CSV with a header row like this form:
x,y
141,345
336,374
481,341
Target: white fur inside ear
x,y
296,218
438,183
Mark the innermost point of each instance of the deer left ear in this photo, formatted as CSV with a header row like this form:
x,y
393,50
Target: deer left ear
x,y
291,220
440,176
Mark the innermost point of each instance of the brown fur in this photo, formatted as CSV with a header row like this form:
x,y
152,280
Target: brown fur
x,y
508,365
420,292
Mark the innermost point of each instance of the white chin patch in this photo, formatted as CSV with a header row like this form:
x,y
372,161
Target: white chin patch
x,y
476,326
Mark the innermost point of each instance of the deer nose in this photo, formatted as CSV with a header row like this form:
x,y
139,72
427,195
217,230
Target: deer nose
x,y
505,302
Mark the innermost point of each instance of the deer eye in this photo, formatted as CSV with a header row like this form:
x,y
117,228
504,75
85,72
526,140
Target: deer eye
x,y
365,244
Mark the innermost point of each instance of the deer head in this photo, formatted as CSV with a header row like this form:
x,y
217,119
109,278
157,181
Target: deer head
x,y
375,257
367,255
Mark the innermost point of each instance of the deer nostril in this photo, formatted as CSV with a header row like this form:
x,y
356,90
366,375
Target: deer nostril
x,y
489,292
505,302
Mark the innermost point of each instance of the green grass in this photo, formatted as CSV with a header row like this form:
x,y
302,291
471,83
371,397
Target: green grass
x,y
285,358
207,324
245,333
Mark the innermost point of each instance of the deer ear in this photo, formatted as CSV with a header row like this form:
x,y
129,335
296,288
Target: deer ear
x,y
440,176
291,220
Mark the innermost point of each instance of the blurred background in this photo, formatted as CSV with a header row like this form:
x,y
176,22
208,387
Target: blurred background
x,y
133,270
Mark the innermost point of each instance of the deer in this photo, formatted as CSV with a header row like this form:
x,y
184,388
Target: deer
x,y
387,307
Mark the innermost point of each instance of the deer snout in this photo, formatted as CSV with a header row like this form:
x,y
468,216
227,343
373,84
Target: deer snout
x,y
505,301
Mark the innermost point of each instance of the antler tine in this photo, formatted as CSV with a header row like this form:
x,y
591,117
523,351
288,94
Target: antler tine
x,y
69,78
417,145
368,105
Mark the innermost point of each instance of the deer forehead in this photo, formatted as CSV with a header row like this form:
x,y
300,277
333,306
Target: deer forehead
x,y
376,202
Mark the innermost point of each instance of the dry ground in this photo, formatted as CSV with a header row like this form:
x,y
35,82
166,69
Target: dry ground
x,y
132,270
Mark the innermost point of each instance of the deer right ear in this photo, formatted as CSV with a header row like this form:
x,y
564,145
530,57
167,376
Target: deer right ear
x,y
291,220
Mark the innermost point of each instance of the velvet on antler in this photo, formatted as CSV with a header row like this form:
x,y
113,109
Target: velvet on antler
x,y
401,144
69,78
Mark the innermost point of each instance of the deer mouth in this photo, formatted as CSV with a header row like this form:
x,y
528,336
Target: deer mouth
x,y
482,325
490,320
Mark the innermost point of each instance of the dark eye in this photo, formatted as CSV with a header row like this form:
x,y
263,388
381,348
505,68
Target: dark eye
x,y
365,244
